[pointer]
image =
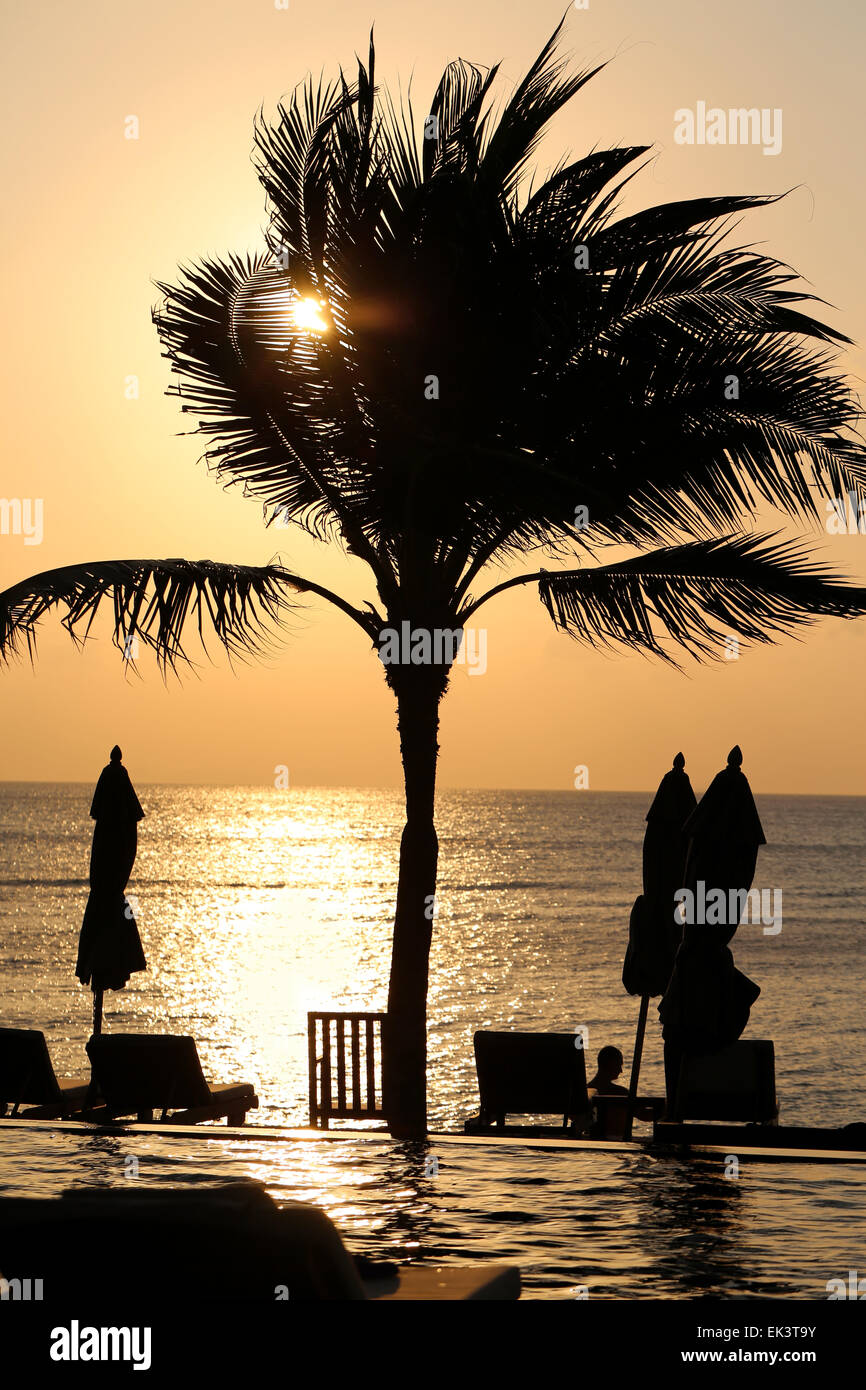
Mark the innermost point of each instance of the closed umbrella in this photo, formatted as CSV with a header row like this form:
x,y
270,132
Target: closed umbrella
x,y
707,1002
725,834
654,933
109,947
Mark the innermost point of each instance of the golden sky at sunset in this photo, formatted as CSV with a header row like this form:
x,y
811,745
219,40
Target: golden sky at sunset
x,y
94,218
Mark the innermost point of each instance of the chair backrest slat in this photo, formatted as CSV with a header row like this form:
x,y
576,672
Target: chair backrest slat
x,y
341,1064
370,1051
311,1073
355,1025
326,1102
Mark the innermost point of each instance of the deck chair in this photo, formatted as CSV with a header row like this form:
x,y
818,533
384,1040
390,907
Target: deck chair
x,y
27,1077
139,1073
530,1074
206,1244
736,1083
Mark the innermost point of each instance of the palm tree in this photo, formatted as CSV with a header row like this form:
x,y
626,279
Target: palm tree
x,y
437,365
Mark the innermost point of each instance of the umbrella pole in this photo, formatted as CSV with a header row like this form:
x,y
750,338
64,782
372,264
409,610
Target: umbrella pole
x,y
635,1064
97,1012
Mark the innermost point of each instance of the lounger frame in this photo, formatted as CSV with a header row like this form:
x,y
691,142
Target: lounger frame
x,y
530,1074
139,1074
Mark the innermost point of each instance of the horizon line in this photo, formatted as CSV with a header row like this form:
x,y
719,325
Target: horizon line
x,y
396,787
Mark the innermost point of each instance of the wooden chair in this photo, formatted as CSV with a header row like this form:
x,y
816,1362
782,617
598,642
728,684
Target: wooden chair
x,y
139,1073
530,1074
346,1048
221,1243
27,1077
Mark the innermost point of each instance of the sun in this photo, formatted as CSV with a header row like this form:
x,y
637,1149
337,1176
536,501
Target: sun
x,y
307,315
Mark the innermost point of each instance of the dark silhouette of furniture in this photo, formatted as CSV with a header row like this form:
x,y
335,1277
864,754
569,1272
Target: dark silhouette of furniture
x,y
222,1243
346,1049
530,1074
139,1073
736,1083
27,1077
611,1114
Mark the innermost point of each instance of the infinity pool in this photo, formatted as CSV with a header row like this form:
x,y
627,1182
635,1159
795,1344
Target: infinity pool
x,y
634,1226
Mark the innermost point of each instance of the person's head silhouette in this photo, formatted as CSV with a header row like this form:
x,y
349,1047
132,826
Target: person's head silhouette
x,y
609,1063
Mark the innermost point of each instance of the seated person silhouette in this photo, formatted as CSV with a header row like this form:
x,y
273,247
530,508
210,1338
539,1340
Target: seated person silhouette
x,y
608,1068
609,1099
609,1114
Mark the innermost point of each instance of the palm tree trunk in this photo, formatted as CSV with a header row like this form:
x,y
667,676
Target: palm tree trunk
x,y
405,1042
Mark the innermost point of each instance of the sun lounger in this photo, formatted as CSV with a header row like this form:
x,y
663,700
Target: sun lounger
x,y
27,1077
736,1083
226,1242
530,1074
139,1073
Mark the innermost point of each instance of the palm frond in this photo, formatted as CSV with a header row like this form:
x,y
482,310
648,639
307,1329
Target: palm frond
x,y
699,595
456,106
554,215
155,602
290,156
603,385
545,89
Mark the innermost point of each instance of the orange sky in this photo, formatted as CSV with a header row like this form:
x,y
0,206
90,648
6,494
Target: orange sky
x,y
96,218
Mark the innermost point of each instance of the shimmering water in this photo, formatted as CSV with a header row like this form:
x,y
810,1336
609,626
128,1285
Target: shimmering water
x,y
257,905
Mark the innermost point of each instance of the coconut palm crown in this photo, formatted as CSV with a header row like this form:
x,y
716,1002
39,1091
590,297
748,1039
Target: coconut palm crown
x,y
444,367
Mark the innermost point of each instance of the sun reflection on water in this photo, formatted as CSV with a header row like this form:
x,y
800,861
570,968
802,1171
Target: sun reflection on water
x,y
257,906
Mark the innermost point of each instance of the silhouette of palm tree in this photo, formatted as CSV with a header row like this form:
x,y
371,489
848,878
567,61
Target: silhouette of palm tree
x,y
437,366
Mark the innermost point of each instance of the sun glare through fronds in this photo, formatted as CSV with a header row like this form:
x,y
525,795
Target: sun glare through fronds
x,y
306,314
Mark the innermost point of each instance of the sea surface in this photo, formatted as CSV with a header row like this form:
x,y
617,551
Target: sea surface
x,y
256,905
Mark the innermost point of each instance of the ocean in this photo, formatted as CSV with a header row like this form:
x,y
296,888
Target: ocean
x,y
256,905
